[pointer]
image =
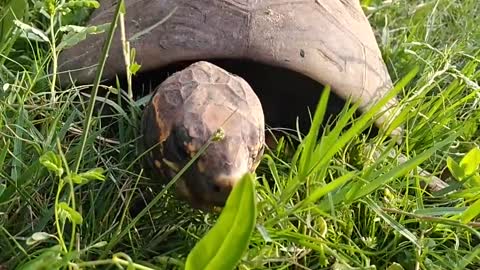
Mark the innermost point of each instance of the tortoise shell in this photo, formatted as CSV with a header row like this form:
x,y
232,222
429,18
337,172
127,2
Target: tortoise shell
x,y
330,41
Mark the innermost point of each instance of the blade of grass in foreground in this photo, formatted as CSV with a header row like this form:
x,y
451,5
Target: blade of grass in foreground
x,y
362,122
223,246
103,59
311,140
15,9
471,212
304,154
392,222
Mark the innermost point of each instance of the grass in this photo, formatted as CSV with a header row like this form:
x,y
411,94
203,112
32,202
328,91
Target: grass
x,y
341,201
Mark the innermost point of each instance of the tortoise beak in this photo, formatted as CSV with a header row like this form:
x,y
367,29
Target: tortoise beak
x,y
207,191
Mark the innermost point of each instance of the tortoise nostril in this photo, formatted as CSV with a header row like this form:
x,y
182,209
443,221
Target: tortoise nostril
x,y
223,188
216,188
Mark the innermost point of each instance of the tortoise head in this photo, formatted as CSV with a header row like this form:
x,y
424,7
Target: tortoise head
x,y
185,113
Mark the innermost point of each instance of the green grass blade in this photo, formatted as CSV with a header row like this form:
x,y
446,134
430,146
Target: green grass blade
x,y
363,121
392,222
312,136
3,154
96,84
471,257
322,191
402,169
13,10
471,212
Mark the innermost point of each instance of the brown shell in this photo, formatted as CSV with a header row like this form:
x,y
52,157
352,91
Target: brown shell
x,y
329,41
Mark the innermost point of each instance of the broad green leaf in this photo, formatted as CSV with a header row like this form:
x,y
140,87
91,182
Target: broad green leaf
x,y
455,169
84,178
395,266
470,162
52,162
471,212
83,4
37,237
77,12
223,246
343,266
32,32
76,34
48,259
70,213
366,3
93,174
134,68
15,9
75,178
475,181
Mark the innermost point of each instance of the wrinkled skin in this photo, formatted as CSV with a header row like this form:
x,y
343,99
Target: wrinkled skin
x,y
189,108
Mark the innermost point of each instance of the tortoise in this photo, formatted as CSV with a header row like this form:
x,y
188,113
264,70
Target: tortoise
x,y
327,41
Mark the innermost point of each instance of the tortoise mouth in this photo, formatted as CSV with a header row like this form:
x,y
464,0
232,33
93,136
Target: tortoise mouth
x,y
204,198
285,94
